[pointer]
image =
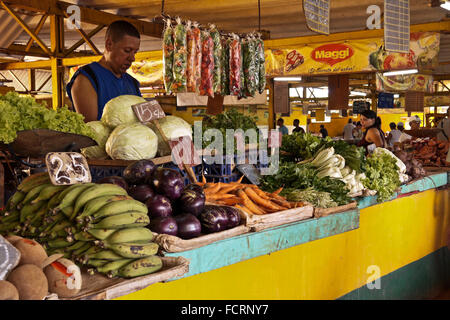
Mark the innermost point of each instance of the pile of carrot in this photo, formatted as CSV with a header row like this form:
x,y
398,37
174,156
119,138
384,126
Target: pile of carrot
x,y
247,197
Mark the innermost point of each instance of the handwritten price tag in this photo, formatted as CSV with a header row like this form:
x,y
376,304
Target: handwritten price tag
x,y
183,151
148,111
65,168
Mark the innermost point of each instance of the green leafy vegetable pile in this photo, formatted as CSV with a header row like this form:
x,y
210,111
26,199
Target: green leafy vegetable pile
x,y
231,119
382,175
354,156
293,176
301,146
19,113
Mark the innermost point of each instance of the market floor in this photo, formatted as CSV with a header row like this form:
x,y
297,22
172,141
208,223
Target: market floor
x,y
444,295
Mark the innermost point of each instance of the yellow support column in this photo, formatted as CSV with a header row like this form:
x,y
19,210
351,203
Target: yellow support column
x,y
57,47
271,121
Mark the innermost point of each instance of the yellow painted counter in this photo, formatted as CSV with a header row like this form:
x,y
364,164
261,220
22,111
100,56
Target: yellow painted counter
x,y
400,238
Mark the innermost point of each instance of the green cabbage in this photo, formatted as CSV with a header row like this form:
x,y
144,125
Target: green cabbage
x,y
173,127
132,142
118,110
102,133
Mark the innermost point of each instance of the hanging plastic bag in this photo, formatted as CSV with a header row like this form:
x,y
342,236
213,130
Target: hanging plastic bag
x,y
215,35
235,66
249,55
242,90
198,56
225,71
206,87
168,56
262,66
179,58
190,66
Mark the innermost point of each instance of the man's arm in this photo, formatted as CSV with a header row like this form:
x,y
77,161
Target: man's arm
x,y
84,98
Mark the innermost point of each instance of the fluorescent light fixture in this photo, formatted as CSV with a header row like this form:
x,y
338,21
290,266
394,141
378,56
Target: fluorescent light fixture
x,y
356,93
446,5
287,79
396,96
399,72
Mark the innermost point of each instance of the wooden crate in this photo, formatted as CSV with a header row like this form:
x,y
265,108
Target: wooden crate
x,y
323,212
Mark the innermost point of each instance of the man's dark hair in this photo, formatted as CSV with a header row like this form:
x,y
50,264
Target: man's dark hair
x,y
296,121
120,28
281,120
350,120
392,125
322,126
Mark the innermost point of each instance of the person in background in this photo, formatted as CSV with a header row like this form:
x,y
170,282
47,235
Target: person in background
x,y
94,84
297,128
323,131
414,122
400,126
373,135
282,128
444,125
357,132
348,130
394,135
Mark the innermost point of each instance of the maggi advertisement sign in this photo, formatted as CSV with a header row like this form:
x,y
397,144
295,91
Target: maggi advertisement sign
x,y
353,56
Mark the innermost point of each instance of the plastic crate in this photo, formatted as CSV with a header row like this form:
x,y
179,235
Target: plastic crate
x,y
229,163
226,179
99,172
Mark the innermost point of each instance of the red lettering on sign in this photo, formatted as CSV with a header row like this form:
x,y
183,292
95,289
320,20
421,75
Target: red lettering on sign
x,y
332,53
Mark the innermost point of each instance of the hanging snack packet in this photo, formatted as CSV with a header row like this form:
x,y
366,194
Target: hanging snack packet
x,y
250,70
190,66
198,56
215,35
256,62
235,66
262,66
243,89
225,71
206,86
168,56
179,58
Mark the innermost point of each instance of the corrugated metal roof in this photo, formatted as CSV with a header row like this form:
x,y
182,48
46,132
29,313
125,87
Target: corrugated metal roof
x,y
22,75
11,30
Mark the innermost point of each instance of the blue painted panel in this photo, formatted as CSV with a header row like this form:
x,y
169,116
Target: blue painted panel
x,y
427,183
254,244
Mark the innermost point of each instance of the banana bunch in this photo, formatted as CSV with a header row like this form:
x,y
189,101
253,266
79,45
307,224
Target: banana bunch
x,y
96,225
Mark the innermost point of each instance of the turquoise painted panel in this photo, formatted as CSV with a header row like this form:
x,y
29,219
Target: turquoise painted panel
x,y
421,279
427,183
247,246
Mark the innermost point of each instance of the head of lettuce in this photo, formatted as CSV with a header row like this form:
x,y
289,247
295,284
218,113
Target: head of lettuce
x,y
132,142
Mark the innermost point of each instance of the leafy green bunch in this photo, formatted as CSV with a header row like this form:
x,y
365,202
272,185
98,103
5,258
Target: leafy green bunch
x,y
301,146
19,113
295,176
382,175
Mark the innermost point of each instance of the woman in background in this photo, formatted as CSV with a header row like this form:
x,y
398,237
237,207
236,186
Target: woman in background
x,y
373,135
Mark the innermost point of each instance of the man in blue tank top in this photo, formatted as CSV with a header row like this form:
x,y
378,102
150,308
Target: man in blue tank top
x,y
93,85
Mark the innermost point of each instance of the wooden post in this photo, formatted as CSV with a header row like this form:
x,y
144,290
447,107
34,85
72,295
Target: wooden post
x,y
271,120
2,185
31,80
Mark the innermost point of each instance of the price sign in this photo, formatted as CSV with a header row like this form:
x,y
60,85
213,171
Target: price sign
x,y
65,168
148,111
183,152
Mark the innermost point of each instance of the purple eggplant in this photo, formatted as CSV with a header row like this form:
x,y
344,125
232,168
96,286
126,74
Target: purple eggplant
x,y
213,219
192,202
158,206
164,225
115,180
168,182
141,192
188,226
234,218
139,172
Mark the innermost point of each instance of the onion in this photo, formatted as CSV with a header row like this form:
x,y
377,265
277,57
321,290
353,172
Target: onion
x,y
188,226
158,206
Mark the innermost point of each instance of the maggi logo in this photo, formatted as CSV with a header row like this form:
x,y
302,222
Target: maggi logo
x,y
332,53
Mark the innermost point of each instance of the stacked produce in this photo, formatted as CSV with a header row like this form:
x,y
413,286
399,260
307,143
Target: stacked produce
x,y
175,209
209,63
19,113
247,197
120,135
429,151
230,119
36,274
96,225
